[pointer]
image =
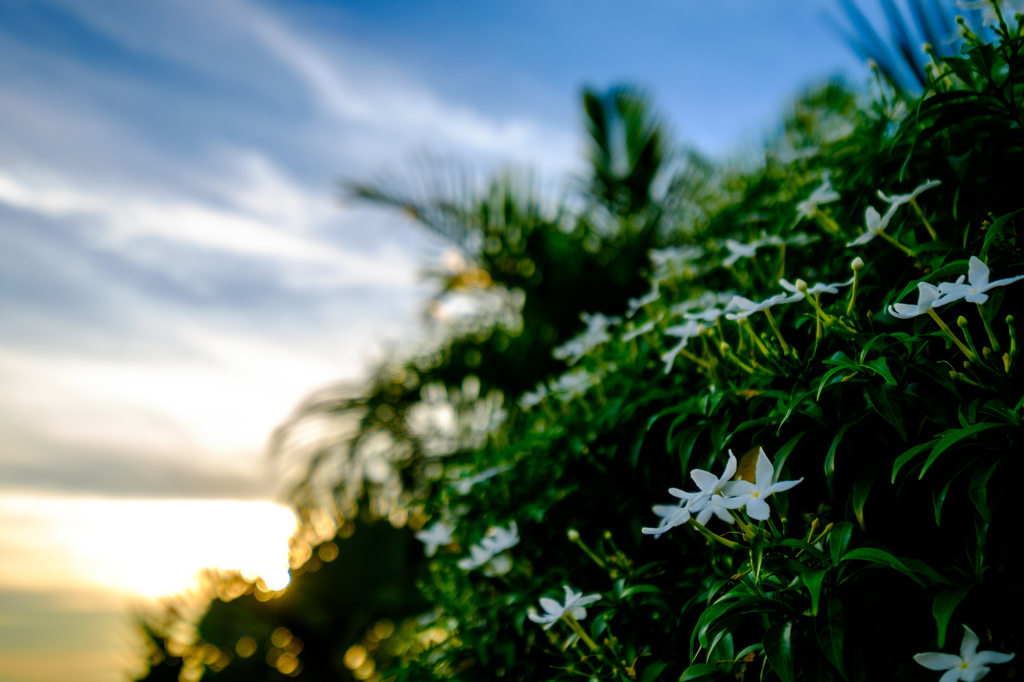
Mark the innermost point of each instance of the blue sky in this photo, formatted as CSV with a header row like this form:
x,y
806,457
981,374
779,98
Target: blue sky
x,y
175,270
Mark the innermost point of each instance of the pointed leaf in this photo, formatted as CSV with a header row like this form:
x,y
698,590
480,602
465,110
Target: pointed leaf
x,y
830,628
778,647
880,367
880,556
950,438
978,490
909,455
839,540
812,580
885,400
830,458
943,607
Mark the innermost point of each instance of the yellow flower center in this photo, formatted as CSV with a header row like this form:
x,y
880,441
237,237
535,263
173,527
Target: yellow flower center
x,y
756,493
964,666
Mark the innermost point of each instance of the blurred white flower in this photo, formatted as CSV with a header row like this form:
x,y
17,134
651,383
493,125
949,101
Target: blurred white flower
x,y
928,297
988,12
437,535
635,304
642,329
574,603
685,332
464,485
594,335
823,194
971,665
741,308
978,284
672,515
528,400
874,224
900,199
797,293
753,495
739,250
499,539
573,384
478,556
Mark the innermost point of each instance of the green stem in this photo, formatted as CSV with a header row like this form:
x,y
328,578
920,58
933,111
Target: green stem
x,y
745,324
892,240
578,629
949,332
775,328
712,536
827,222
781,270
992,340
962,323
920,214
853,292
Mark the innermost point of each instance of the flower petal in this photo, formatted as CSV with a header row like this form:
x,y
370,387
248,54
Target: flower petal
x,y
551,606
989,657
736,488
723,514
938,661
904,311
758,509
973,673
705,480
579,613
765,471
705,515
973,297
730,471
589,599
1004,282
977,273
969,645
780,486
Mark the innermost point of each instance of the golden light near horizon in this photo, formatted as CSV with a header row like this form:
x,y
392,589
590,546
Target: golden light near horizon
x,y
140,548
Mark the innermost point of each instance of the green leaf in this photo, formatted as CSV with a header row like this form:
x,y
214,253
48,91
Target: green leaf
x,y
909,455
782,454
839,540
804,547
638,589
778,647
652,671
812,580
697,671
943,607
880,367
885,400
861,489
994,230
880,556
951,437
830,458
939,493
978,490
831,629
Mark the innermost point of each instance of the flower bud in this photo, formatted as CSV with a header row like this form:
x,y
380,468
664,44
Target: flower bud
x,y
857,263
574,535
961,321
801,286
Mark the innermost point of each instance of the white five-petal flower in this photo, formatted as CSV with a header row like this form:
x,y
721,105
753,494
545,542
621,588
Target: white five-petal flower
x,y
685,332
739,250
796,293
574,603
499,539
900,199
741,308
437,535
874,224
971,665
672,515
823,194
707,482
753,495
978,284
928,297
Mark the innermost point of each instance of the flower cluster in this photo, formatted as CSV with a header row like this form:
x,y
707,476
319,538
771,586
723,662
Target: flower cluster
x,y
553,611
718,495
490,553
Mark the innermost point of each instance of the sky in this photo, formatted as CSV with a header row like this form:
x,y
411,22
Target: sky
x,y
177,271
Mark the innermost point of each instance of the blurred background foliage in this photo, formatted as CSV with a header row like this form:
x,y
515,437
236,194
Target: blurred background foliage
x,y
521,268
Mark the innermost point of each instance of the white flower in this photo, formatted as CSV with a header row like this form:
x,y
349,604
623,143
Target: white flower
x,y
753,495
573,384
675,262
822,195
875,224
738,250
464,485
642,329
435,536
969,666
741,308
685,332
594,335
672,515
800,239
478,556
528,400
707,501
928,297
708,299
574,603
706,315
900,199
974,292
636,304
797,293
499,539
719,506
500,564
